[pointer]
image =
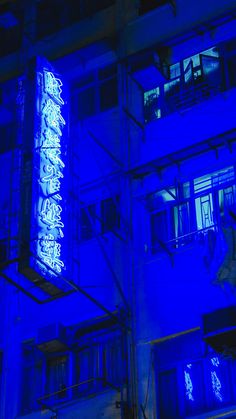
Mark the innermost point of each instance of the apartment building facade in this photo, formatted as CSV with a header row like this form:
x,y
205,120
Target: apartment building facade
x,y
118,211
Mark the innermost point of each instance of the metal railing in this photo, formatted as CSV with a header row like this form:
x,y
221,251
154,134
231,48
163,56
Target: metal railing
x,y
193,237
87,388
180,98
190,96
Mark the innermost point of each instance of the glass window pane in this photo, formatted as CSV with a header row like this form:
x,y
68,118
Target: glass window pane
x,y
204,212
109,214
108,94
181,219
175,71
87,218
195,59
227,201
158,230
213,179
152,109
86,370
57,376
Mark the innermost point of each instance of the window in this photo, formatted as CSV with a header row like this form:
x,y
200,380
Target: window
x,y
87,218
110,217
181,217
204,212
96,92
171,220
227,200
152,108
192,380
178,217
31,378
57,375
99,365
191,80
86,362
159,228
97,362
100,218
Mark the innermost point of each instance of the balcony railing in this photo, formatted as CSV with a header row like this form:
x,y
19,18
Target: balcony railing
x,y
68,394
199,236
179,98
188,97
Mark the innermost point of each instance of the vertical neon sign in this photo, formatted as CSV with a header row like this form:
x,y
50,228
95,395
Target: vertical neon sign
x,y
49,166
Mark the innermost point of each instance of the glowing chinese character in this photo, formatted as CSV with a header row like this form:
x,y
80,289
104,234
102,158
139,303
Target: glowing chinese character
x,y
48,145
216,386
50,214
51,139
215,361
53,173
53,155
53,117
52,180
188,386
52,86
50,253
51,147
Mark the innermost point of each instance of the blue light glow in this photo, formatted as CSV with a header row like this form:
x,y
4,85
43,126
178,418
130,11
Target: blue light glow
x,y
215,381
52,86
50,252
215,361
51,165
53,117
188,384
216,385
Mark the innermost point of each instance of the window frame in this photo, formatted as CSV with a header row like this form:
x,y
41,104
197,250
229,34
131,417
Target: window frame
x,y
97,219
217,182
95,83
100,339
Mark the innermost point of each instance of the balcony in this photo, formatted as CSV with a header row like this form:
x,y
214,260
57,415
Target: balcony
x,y
72,394
194,108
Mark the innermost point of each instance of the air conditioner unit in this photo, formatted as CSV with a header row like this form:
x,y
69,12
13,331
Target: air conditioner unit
x,y
219,330
52,338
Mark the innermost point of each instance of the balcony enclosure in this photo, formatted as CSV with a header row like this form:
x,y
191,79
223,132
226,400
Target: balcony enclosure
x,y
192,80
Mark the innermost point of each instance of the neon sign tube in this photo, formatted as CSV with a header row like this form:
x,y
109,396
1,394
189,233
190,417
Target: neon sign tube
x,y
50,201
